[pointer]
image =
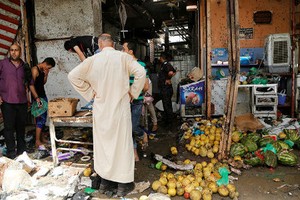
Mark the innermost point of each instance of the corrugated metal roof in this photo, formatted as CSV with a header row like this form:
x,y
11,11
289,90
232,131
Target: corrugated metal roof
x,y
10,13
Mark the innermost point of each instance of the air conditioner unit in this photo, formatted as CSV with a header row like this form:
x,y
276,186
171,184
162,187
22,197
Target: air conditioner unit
x,y
278,53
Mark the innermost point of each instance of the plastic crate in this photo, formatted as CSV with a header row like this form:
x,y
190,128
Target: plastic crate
x,y
273,116
270,109
265,89
190,112
266,100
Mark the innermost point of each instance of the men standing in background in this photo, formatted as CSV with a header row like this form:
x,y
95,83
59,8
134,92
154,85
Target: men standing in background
x,y
130,47
84,46
105,76
165,75
13,100
39,79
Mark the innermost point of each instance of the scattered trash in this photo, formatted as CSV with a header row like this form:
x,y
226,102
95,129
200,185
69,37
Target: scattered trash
x,y
40,154
158,196
57,171
288,188
89,190
172,164
276,179
236,171
232,178
43,171
80,196
85,158
28,138
65,156
21,180
140,187
86,182
287,123
27,163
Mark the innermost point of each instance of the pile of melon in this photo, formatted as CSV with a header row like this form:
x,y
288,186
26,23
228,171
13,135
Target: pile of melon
x,y
203,137
200,183
258,149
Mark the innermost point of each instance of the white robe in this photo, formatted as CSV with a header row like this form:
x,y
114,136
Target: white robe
x,y
106,74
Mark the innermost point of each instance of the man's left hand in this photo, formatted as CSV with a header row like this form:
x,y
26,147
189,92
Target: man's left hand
x,y
131,97
168,82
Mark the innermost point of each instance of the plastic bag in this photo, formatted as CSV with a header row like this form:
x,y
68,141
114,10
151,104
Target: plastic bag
x,y
36,110
290,143
224,180
269,147
148,99
259,81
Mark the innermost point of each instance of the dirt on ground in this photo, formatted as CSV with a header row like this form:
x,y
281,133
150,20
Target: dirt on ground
x,y
261,183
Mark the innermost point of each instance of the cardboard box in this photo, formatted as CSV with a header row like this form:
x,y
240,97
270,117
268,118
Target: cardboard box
x,y
62,107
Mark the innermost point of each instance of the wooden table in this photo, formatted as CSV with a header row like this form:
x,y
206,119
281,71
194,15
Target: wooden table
x,y
78,120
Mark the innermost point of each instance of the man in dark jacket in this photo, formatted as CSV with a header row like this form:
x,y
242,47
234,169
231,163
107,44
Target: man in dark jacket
x,y
167,71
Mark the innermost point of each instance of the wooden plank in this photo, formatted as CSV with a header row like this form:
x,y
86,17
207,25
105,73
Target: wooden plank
x,y
25,33
208,61
233,81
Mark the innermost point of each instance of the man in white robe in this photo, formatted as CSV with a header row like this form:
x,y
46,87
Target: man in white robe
x,y
105,76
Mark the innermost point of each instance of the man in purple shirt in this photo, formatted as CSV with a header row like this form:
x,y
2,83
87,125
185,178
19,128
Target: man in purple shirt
x,y
13,101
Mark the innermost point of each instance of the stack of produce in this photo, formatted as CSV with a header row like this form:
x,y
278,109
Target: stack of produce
x,y
200,183
269,150
203,137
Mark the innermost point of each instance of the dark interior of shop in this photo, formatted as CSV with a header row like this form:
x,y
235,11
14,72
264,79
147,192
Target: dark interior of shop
x,y
147,19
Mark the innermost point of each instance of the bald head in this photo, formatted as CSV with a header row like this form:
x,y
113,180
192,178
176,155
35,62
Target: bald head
x,y
105,40
15,52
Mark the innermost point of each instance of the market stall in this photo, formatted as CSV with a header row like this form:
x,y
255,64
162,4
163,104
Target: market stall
x,y
75,121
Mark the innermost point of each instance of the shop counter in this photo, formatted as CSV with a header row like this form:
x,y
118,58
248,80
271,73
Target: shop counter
x,y
80,119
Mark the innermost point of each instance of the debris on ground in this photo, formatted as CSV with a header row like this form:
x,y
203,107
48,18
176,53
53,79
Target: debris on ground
x,y
36,179
172,164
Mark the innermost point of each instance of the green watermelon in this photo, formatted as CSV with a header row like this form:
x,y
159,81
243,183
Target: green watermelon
x,y
254,136
277,146
283,144
243,140
270,158
292,134
264,141
254,161
287,158
250,145
237,149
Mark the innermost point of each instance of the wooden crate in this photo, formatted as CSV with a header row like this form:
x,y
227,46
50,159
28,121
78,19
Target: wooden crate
x,y
62,107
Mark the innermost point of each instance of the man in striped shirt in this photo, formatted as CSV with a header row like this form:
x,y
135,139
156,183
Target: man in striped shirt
x,y
136,104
